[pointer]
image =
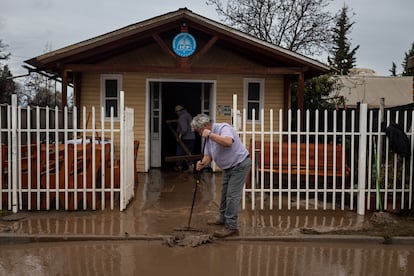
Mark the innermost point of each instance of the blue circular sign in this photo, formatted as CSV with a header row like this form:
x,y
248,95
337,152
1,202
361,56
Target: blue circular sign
x,y
184,44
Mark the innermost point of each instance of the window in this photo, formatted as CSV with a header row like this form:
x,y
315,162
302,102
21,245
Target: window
x,y
253,97
110,87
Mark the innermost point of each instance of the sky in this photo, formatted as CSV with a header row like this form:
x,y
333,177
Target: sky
x,y
383,28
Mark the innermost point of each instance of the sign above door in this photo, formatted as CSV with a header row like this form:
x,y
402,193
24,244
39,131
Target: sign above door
x,y
184,44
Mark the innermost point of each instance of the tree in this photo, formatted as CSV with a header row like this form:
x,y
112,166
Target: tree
x,y
410,53
343,58
39,90
7,85
297,25
3,56
318,91
393,69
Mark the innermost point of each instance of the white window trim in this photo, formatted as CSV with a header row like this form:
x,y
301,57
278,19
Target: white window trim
x,y
246,82
105,77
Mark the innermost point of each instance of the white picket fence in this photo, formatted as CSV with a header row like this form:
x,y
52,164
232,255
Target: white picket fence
x,y
357,169
56,164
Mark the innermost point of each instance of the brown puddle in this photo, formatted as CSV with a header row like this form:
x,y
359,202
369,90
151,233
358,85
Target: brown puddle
x,y
220,258
162,203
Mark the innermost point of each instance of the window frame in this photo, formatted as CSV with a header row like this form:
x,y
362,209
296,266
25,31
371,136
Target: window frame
x,y
104,78
246,101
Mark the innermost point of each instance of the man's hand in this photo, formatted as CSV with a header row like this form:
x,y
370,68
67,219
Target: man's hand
x,y
206,133
200,165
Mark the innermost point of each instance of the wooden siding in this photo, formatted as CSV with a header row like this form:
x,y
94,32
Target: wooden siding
x,y
219,57
134,85
229,85
135,91
273,98
148,55
152,55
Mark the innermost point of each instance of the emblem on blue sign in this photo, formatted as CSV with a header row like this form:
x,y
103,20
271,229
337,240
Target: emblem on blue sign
x,y
184,44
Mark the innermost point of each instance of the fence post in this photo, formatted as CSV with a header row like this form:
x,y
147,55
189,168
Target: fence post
x,y
122,204
14,153
362,157
234,113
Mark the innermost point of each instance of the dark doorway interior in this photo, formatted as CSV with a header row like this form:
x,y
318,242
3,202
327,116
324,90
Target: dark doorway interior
x,y
187,94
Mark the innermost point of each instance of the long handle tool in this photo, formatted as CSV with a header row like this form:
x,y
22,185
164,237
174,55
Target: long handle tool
x,y
197,176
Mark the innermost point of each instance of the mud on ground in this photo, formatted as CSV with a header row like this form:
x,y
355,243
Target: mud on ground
x,y
382,224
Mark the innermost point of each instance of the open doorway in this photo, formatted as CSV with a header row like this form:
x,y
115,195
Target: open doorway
x,y
188,95
195,96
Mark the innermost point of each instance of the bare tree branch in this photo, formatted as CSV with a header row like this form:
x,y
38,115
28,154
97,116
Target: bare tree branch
x,y
298,25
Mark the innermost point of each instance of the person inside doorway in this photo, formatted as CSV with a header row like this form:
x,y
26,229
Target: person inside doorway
x,y
223,145
185,135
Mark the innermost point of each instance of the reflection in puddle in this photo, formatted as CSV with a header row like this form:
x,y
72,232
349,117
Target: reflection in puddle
x,y
219,258
162,202
272,223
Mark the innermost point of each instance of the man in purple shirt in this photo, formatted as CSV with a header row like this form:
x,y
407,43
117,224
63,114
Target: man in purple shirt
x,y
224,146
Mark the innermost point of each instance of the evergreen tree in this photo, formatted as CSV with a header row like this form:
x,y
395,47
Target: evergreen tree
x,y
7,85
343,58
301,26
393,69
410,53
317,91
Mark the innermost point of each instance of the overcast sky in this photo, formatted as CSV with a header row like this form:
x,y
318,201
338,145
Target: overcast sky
x,y
383,28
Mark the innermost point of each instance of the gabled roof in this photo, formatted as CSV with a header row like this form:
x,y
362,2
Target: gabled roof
x,y
96,49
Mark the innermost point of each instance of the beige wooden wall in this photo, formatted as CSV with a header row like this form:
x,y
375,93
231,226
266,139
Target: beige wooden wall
x,y
134,88
273,94
134,85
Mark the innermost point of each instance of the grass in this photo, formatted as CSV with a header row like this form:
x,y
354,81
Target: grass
x,y
4,213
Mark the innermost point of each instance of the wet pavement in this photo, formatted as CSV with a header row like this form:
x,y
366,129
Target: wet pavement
x,y
221,258
162,206
135,241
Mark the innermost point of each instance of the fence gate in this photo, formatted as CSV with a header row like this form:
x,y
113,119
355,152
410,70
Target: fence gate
x,y
128,170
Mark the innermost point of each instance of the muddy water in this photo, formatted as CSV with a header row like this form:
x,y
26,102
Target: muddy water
x,y
162,203
218,258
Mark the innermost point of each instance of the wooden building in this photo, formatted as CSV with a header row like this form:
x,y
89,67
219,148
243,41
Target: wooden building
x,y
177,58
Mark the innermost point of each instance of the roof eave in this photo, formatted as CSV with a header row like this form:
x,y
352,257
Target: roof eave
x,y
41,61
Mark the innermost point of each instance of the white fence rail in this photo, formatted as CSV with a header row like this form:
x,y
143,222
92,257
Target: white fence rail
x,y
326,160
70,167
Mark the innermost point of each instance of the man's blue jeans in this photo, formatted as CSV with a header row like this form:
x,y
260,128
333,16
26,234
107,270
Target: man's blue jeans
x,y
231,191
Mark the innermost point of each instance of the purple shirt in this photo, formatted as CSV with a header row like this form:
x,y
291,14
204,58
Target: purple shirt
x,y
226,157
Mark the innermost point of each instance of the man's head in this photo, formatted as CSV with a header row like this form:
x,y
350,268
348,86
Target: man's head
x,y
200,122
178,108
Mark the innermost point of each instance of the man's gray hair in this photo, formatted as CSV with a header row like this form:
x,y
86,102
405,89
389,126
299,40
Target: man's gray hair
x,y
200,121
